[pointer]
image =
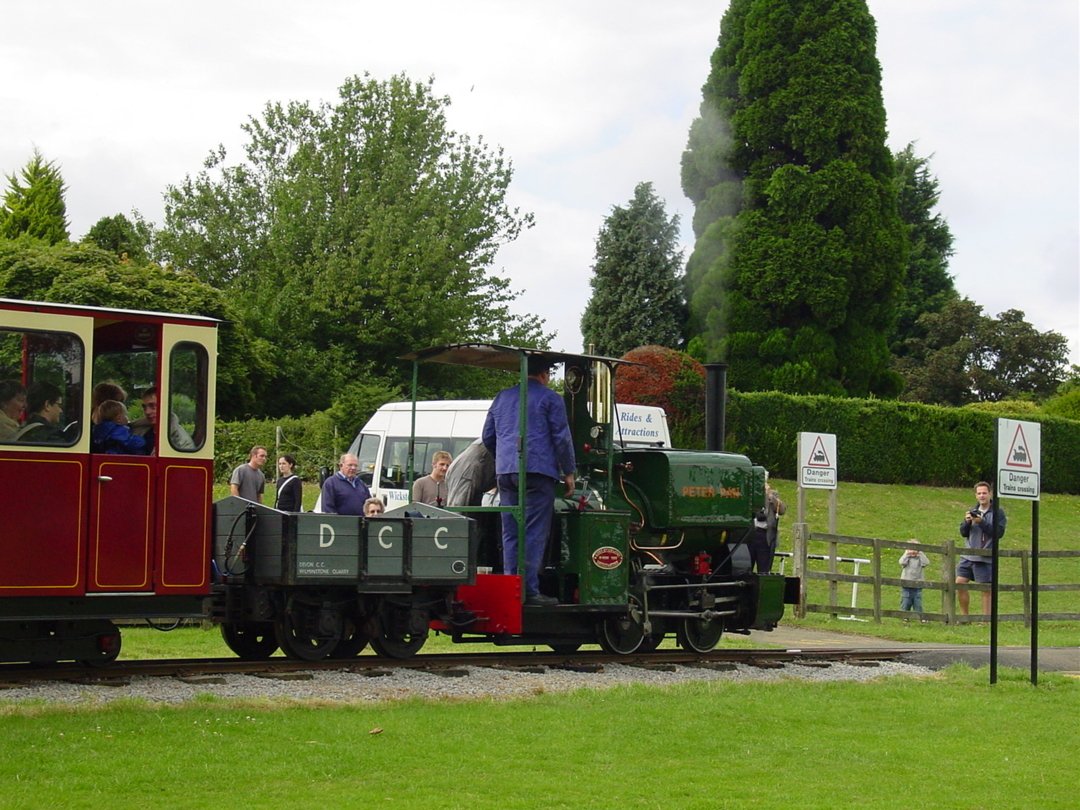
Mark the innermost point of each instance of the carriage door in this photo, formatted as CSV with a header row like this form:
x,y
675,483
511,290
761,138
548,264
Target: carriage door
x,y
122,511
185,460
150,506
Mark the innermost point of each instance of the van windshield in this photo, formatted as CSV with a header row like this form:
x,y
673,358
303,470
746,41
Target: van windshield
x,y
368,453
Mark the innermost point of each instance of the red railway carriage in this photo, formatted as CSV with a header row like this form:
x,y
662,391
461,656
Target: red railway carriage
x,y
89,533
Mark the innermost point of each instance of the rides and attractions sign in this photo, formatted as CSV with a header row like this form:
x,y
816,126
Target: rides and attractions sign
x,y
1018,459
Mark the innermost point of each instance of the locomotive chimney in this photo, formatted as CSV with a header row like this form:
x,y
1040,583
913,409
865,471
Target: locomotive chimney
x,y
715,405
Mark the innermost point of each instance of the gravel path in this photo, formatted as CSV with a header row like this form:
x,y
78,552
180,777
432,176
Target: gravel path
x,y
469,683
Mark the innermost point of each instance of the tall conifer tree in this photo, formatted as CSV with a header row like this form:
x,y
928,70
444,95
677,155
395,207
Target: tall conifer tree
x,y
34,203
636,298
800,250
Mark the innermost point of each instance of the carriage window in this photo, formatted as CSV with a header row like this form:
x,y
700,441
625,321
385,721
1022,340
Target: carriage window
x,y
188,382
41,387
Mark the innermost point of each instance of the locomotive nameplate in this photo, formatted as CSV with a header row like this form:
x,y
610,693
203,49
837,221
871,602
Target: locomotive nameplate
x,y
607,558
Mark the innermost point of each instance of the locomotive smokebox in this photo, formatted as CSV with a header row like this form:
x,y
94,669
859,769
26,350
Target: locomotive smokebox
x,y
715,405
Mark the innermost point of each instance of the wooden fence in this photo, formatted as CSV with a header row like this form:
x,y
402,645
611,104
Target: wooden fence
x,y
882,555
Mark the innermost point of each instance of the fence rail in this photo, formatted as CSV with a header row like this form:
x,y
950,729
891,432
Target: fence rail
x,y
878,582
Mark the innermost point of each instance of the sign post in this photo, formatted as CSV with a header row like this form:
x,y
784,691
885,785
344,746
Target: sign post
x,y
1019,468
817,470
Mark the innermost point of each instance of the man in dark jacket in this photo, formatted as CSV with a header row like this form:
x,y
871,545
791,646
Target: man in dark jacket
x,y
981,527
549,458
344,493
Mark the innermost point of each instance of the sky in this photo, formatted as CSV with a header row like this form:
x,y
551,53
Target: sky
x,y
587,99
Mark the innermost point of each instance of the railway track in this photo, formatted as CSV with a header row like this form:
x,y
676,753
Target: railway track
x,y
447,664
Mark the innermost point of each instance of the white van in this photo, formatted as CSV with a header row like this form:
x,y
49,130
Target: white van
x,y
452,425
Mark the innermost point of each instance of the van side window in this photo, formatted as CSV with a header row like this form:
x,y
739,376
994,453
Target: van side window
x,y
45,370
396,457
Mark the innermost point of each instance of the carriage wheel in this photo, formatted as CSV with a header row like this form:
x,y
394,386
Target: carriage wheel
x,y
395,638
308,634
251,641
353,641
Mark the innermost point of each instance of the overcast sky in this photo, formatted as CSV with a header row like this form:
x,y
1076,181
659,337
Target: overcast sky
x,y
586,98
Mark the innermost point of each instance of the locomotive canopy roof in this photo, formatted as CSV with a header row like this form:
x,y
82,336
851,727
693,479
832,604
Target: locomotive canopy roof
x,y
502,358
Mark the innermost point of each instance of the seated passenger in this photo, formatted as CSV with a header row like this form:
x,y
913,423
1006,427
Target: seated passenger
x,y
146,425
12,406
111,434
373,507
45,405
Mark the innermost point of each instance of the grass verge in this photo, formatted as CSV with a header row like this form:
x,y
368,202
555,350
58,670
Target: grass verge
x,y
893,743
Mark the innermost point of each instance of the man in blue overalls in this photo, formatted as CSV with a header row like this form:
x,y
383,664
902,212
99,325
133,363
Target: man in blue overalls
x,y
549,459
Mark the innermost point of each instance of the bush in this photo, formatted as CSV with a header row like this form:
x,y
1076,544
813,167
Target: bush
x,y
1066,405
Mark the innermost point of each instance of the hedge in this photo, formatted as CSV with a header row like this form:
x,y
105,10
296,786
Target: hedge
x,y
878,441
314,441
890,442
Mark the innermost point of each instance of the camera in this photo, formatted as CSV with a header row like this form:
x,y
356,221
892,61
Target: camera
x,y
974,513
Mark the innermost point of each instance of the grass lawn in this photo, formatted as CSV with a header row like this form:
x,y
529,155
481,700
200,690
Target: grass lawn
x,y
945,741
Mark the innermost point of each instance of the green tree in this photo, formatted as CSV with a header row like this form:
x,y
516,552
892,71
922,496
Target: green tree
x,y
636,298
967,357
350,234
85,274
800,249
121,236
927,285
34,203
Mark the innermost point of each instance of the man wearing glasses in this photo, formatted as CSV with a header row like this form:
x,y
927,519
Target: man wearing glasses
x,y
45,406
343,493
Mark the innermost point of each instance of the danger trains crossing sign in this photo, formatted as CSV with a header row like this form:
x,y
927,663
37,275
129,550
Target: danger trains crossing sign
x,y
1018,459
817,460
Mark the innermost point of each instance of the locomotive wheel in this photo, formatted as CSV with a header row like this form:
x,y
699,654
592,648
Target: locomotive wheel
x,y
651,642
251,641
699,636
302,636
622,635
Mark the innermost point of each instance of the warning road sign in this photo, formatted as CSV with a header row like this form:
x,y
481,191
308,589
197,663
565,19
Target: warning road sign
x,y
817,460
1018,457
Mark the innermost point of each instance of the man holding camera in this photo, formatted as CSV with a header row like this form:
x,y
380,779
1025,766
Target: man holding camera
x,y
981,528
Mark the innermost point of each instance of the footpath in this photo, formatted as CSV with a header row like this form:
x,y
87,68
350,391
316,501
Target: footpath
x,y
932,656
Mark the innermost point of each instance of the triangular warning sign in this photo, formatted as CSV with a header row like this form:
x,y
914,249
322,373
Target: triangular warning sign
x,y
1019,456
818,456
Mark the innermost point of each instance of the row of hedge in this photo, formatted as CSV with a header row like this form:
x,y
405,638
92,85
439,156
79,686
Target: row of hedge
x,y
890,442
878,441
